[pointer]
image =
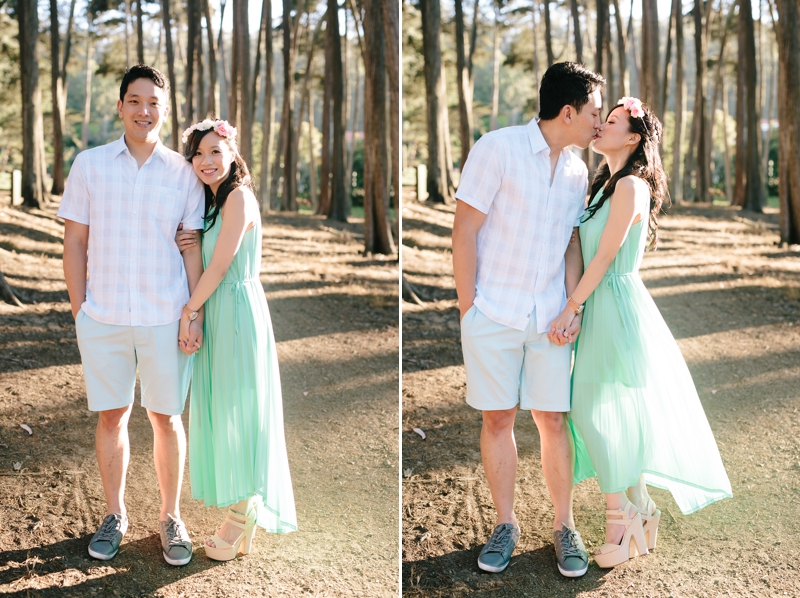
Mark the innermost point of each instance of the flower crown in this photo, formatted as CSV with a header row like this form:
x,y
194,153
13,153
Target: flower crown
x,y
221,127
632,105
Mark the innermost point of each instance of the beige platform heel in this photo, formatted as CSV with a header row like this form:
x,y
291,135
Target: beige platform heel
x,y
222,551
632,544
650,524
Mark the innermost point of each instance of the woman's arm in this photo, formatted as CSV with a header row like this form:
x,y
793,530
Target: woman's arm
x,y
621,216
235,224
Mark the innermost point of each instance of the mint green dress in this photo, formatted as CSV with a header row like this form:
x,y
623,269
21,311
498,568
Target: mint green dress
x,y
236,443
635,409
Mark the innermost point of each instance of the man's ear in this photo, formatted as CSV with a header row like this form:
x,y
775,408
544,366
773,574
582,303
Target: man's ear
x,y
567,113
119,108
166,111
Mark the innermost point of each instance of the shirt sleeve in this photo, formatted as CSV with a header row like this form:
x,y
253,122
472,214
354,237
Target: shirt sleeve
x,y
482,175
582,208
76,199
193,213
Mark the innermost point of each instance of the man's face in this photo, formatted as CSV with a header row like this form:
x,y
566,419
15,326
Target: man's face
x,y
143,110
587,120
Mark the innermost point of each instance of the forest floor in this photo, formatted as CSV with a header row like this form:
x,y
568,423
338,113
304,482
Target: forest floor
x,y
335,315
731,297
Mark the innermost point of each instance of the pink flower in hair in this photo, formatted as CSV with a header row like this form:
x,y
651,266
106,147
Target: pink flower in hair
x,y
632,105
224,129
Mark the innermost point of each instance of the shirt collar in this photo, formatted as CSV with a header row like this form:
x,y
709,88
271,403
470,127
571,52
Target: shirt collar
x,y
535,136
120,146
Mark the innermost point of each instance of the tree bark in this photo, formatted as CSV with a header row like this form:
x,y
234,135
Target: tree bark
x,y
649,83
339,206
621,53
377,225
495,69
438,189
175,133
139,32
269,101
664,83
789,117
548,33
325,159
289,199
224,83
576,26
212,62
390,12
676,183
702,170
464,91
56,93
33,189
602,34
87,101
192,33
240,80
753,190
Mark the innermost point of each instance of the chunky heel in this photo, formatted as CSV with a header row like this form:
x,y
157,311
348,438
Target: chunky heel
x,y
633,541
222,551
650,524
249,534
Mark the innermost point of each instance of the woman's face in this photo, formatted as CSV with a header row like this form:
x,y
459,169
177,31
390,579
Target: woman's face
x,y
212,160
615,134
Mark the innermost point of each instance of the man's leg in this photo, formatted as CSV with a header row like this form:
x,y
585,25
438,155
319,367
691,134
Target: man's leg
x,y
113,455
169,454
556,463
499,455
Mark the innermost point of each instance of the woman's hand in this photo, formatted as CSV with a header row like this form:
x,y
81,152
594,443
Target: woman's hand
x,y
560,328
183,336
185,239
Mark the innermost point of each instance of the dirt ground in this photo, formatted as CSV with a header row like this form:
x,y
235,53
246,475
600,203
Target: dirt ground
x,y
335,315
730,296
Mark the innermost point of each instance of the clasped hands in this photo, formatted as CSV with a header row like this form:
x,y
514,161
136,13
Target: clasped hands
x,y
565,328
190,335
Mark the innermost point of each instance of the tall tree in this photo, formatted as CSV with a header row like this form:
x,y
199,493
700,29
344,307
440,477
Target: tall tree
x,y
269,100
175,133
438,188
139,32
241,106
289,200
87,98
650,62
602,34
749,193
576,20
33,189
789,118
464,91
391,29
622,52
192,35
495,67
339,204
56,92
677,187
324,207
548,33
211,104
699,123
377,226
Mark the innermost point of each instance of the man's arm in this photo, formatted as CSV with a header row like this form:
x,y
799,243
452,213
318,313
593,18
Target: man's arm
x,y
467,223
76,245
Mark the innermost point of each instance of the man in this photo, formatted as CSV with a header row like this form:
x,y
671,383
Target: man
x,y
122,205
521,193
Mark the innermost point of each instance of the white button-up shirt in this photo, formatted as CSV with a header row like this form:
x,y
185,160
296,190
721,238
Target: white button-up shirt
x,y
136,273
528,224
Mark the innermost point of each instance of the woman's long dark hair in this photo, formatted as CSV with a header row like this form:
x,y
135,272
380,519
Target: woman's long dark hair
x,y
644,162
239,175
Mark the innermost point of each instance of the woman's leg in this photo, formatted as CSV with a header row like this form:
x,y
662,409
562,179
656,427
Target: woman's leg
x,y
639,497
229,532
614,501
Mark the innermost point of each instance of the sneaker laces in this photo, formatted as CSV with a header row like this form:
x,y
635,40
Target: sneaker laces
x,y
500,539
108,530
569,545
174,528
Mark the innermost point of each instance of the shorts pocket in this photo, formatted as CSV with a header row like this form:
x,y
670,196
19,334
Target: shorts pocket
x,y
467,316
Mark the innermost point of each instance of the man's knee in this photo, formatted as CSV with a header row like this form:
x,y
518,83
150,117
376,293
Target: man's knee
x,y
550,422
499,422
168,424
113,419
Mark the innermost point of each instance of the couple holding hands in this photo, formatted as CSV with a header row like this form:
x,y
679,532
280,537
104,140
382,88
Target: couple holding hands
x,y
536,270
179,310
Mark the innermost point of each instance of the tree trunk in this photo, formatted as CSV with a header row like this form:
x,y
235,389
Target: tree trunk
x,y
212,62
175,133
495,69
224,83
789,118
87,101
377,226
56,92
728,167
664,83
602,34
325,161
33,190
128,19
676,183
391,25
700,127
621,53
548,33
312,161
139,32
753,189
192,33
438,189
576,26
200,76
649,83
240,92
289,199
464,99
266,19
339,204
269,102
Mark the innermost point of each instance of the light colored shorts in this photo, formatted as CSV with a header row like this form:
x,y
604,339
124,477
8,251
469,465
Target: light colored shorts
x,y
110,355
508,367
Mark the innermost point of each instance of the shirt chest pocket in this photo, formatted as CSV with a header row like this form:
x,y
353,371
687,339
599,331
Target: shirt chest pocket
x,y
165,204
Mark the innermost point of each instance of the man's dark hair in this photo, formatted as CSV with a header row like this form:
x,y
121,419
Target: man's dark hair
x,y
566,84
143,71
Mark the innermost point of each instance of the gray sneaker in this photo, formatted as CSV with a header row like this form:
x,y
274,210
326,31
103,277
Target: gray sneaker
x,y
496,555
175,541
571,555
105,543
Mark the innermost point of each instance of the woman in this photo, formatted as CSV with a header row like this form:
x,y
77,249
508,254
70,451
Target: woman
x,y
635,409
237,452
